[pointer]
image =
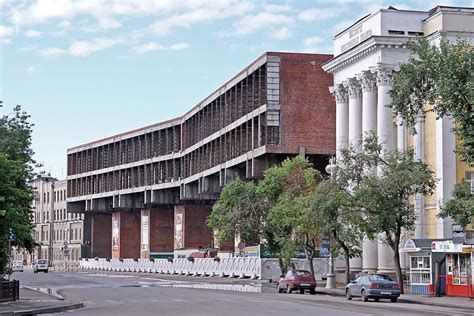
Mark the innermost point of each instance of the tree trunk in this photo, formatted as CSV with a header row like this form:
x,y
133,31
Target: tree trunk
x,y
398,268
283,267
348,264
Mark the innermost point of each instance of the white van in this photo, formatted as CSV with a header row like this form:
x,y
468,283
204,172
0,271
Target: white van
x,y
40,265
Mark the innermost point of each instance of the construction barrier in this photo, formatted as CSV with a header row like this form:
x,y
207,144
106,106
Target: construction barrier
x,y
241,267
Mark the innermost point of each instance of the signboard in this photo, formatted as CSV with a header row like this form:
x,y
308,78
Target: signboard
x,y
178,231
458,234
324,250
145,233
446,246
115,233
410,247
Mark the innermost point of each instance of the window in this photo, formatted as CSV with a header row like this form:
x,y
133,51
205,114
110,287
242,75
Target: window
x,y
47,197
420,272
44,197
470,179
459,266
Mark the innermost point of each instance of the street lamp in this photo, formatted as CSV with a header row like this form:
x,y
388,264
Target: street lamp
x,y
331,277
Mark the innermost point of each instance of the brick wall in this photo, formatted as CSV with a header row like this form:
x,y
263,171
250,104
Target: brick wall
x,y
128,235
308,110
161,230
101,235
195,231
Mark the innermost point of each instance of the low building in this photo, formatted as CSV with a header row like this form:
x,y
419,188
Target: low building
x,y
58,233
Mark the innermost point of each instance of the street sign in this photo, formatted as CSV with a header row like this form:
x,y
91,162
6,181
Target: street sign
x,y
458,234
241,246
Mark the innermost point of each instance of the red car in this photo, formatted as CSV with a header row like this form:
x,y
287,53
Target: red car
x,y
297,280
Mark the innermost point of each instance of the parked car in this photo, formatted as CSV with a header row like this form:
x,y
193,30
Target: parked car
x,y
374,286
17,266
294,280
40,265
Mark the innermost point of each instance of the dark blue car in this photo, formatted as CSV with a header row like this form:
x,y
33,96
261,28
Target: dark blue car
x,y
374,286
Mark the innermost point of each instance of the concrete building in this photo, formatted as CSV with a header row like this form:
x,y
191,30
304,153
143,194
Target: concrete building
x,y
148,192
366,55
54,226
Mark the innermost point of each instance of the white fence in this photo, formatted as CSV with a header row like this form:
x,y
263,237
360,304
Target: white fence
x,y
225,267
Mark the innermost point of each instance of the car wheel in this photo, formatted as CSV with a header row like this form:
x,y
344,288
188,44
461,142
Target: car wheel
x,y
364,296
376,299
279,289
46,271
312,291
394,299
289,289
301,291
348,295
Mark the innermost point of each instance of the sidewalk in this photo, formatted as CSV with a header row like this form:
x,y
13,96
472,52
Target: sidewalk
x,y
36,302
443,301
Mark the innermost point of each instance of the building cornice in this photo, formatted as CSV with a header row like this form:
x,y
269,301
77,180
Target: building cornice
x,y
367,47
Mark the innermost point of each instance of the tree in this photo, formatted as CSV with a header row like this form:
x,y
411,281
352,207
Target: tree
x,y
340,222
461,207
441,76
16,194
385,197
292,212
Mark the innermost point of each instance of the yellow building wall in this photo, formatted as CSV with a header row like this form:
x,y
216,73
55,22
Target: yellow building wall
x,y
430,158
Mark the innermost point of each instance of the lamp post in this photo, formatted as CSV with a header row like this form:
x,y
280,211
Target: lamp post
x,y
331,277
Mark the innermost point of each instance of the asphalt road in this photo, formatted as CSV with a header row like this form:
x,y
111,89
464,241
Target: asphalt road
x,y
153,294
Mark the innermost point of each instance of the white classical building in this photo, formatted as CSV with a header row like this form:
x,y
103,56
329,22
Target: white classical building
x,y
365,57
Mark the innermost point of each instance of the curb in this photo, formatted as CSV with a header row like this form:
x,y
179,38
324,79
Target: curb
x,y
44,310
401,300
56,295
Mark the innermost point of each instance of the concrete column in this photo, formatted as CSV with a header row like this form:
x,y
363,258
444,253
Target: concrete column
x,y
419,141
385,134
369,124
354,91
125,234
342,117
402,139
445,170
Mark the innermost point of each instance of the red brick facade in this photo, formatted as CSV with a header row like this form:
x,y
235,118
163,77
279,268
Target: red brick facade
x,y
125,234
194,230
101,230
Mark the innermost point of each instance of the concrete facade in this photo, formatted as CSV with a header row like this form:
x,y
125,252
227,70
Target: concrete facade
x,y
366,56
278,106
54,226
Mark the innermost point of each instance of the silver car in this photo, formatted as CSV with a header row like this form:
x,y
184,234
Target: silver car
x,y
374,286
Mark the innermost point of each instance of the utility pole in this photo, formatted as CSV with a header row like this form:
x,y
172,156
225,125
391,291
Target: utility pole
x,y
331,277
51,222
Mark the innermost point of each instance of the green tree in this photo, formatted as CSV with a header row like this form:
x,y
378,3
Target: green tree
x,y
16,194
295,181
333,204
461,207
385,197
443,77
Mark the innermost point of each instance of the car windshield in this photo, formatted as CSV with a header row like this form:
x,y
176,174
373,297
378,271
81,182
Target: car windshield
x,y
302,273
379,277
41,261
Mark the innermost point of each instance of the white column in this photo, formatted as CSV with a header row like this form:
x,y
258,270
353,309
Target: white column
x,y
385,134
354,91
419,141
342,117
402,145
369,124
445,170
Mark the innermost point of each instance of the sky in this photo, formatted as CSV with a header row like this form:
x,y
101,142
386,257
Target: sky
x,y
85,70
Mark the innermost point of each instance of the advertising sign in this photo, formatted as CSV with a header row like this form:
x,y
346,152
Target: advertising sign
x,y
145,233
115,233
178,231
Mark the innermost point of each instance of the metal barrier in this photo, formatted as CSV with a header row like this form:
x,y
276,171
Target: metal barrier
x,y
9,291
226,267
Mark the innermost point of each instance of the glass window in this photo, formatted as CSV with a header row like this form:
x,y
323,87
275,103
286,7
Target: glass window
x,y
420,272
470,179
379,277
459,266
302,273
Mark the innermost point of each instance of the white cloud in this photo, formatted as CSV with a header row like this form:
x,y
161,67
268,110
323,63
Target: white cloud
x,y
277,8
282,33
311,43
32,33
109,23
52,51
30,70
205,13
64,24
311,15
152,46
6,31
84,48
252,23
